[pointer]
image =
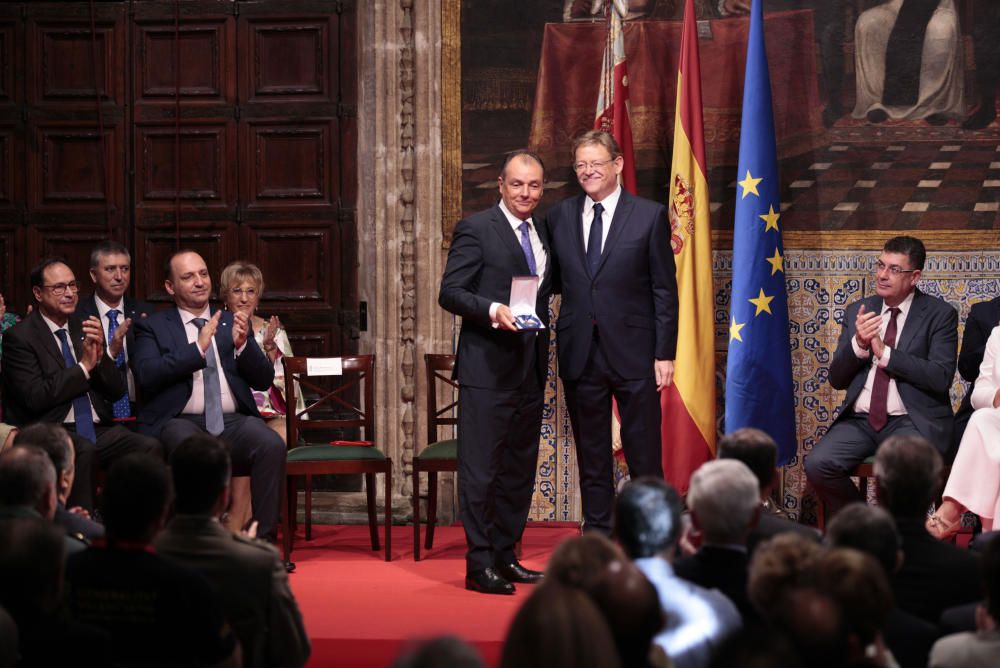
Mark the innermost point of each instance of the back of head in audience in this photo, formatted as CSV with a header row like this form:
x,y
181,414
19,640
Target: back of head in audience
x,y
440,652
28,480
648,518
869,529
57,444
579,562
201,472
861,589
756,647
559,626
32,552
907,475
135,499
779,566
725,501
756,449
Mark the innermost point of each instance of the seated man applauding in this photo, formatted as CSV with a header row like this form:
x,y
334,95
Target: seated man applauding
x,y
195,370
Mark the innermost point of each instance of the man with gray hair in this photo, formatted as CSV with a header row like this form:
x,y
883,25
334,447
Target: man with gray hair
x,y
648,527
935,575
725,503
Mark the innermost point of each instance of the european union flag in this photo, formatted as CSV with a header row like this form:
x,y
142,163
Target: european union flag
x,y
759,369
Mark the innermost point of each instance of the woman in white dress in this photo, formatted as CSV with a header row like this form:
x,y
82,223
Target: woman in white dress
x,y
974,483
241,285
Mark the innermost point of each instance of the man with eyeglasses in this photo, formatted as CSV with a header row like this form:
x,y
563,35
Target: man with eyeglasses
x,y
111,272
59,368
617,328
896,359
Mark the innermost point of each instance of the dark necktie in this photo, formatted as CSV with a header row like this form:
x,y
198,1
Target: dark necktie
x,y
878,411
214,424
529,254
594,239
121,408
82,415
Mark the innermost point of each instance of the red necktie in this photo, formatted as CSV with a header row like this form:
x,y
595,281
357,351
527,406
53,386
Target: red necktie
x,y
878,412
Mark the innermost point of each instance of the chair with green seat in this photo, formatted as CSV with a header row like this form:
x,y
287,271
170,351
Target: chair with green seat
x,y
347,403
439,455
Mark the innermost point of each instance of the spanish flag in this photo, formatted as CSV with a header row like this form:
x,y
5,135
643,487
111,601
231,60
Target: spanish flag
x,y
688,424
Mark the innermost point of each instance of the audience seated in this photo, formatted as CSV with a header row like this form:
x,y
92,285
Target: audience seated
x,y
647,525
724,499
559,625
870,529
157,612
111,272
756,647
58,368
440,652
247,574
759,452
28,488
57,444
981,648
934,575
983,317
196,370
32,552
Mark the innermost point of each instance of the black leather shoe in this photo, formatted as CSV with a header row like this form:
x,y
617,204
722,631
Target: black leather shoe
x,y
289,566
515,572
487,581
877,116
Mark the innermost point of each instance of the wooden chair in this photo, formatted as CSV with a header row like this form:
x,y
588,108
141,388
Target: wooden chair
x,y
352,402
438,455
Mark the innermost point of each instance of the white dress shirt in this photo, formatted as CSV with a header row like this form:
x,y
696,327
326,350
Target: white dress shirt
x,y
541,257
610,203
196,404
53,327
102,314
894,403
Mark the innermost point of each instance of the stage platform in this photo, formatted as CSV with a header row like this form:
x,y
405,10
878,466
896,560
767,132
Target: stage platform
x,y
361,612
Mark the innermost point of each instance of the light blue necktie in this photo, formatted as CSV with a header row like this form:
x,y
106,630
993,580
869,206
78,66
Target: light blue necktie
x,y
121,408
82,415
214,423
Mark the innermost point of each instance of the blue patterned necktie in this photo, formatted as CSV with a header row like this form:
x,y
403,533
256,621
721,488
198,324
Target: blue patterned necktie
x,y
594,239
529,254
214,423
82,415
121,408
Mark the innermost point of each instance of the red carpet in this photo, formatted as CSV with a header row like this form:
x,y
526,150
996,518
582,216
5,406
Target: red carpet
x,y
361,611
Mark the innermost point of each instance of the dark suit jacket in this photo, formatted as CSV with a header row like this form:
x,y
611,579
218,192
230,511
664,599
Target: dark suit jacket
x,y
37,385
720,568
935,575
133,308
983,317
78,526
485,254
164,364
252,585
770,525
922,363
633,296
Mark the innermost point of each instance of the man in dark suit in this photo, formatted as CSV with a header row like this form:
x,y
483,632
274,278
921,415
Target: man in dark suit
x,y
983,317
195,370
111,272
759,452
246,573
617,327
501,372
935,575
896,359
58,368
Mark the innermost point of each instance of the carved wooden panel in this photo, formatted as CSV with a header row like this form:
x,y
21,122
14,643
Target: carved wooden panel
x,y
66,171
71,242
10,267
11,162
296,261
313,340
290,165
62,53
206,51
9,61
288,59
215,241
206,178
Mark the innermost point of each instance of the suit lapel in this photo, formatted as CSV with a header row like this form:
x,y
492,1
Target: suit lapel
x,y
913,320
43,334
581,252
501,226
620,219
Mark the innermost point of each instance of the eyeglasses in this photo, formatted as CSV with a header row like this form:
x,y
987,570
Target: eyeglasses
x,y
59,289
249,292
593,164
893,269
